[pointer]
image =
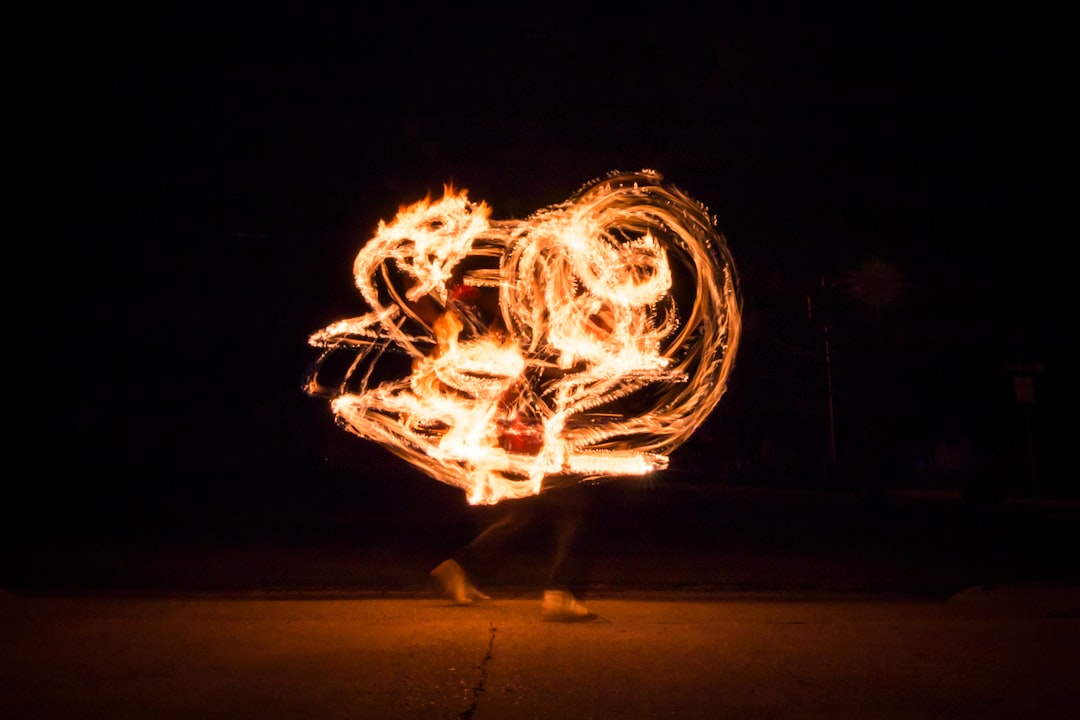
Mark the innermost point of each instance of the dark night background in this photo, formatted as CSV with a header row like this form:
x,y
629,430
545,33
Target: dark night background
x,y
204,179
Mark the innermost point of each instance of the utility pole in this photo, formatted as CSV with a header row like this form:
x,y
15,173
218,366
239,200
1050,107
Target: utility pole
x,y
829,404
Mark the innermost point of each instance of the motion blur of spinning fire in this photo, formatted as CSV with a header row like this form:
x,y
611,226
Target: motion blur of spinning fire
x,y
587,341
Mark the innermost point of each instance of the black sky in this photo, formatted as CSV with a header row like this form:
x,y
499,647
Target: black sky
x,y
208,176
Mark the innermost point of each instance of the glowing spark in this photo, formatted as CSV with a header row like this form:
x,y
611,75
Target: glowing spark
x,y
505,357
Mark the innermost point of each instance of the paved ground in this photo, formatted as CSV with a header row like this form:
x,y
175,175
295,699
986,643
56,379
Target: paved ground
x,y
726,604
986,653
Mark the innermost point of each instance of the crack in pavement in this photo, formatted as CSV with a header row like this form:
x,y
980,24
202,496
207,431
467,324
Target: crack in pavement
x,y
468,712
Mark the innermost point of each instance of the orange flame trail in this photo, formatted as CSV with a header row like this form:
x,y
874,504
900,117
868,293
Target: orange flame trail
x,y
505,357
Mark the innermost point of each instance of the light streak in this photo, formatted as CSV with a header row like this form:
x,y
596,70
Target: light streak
x,y
587,341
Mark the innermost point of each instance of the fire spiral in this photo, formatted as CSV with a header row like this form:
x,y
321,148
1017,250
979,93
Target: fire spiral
x,y
587,341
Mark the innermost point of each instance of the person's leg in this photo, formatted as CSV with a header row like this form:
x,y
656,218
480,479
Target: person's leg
x,y
557,516
564,588
565,510
480,554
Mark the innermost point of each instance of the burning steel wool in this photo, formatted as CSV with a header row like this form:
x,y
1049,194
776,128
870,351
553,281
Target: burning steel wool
x,y
587,341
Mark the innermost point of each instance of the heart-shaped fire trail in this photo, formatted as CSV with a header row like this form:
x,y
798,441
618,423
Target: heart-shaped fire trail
x,y
587,341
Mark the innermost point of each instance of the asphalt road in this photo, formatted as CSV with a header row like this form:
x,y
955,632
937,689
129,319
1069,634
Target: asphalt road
x,y
994,652
718,603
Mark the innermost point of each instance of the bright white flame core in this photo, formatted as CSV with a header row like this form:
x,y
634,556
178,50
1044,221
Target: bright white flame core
x,y
587,341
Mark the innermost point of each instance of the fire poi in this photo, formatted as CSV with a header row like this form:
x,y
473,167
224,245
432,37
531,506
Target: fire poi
x,y
506,357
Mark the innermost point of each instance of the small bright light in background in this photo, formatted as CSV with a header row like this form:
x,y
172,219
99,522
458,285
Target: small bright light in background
x,y
505,357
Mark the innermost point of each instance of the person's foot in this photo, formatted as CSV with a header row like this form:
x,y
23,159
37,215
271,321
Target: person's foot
x,y
561,606
450,577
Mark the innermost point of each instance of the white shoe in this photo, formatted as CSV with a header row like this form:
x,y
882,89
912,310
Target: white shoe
x,y
561,606
450,577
